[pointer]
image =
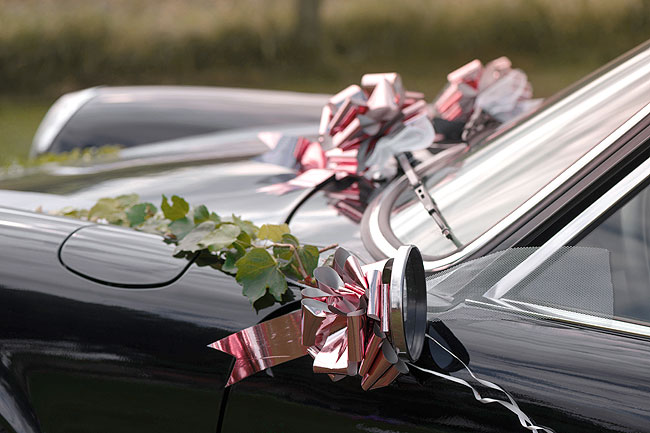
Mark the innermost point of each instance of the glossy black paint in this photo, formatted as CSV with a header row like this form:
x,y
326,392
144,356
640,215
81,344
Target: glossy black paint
x,y
135,360
82,355
113,256
570,379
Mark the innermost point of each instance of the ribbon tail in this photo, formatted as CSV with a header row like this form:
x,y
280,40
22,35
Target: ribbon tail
x,y
511,404
263,345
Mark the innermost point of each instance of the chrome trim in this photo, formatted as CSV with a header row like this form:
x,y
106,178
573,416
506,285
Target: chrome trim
x,y
371,217
498,292
571,230
564,316
435,265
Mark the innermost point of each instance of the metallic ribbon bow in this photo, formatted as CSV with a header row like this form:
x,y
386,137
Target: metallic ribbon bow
x,y
361,128
478,96
343,324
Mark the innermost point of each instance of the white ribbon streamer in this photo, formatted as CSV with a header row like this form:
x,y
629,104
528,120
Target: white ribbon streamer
x,y
511,405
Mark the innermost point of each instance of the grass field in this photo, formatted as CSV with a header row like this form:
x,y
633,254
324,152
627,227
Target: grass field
x,y
19,119
48,47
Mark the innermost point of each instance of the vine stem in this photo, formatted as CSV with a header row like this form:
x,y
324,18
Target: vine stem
x,y
301,267
327,248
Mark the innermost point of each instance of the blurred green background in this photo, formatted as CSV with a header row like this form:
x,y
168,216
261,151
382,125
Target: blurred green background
x,y
48,47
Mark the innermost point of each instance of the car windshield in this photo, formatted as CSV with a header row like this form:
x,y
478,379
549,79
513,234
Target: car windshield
x,y
500,174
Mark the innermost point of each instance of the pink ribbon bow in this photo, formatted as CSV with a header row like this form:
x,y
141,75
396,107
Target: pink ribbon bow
x,y
343,324
355,123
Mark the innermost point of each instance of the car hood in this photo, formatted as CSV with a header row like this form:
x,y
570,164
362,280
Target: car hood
x,y
226,187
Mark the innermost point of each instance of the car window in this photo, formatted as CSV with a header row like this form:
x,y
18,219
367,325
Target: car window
x,y
497,177
594,271
626,237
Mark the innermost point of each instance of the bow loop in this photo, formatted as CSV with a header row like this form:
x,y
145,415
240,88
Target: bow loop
x,y
349,339
342,324
347,266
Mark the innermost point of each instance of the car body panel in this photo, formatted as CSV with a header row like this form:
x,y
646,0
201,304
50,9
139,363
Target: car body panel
x,y
141,115
119,359
565,377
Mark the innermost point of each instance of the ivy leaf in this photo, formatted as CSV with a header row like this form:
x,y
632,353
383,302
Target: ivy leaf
x,y
177,210
245,226
258,271
191,241
214,217
273,232
109,209
309,256
201,214
181,227
285,253
288,238
156,224
72,212
244,240
221,237
138,213
290,270
235,253
127,200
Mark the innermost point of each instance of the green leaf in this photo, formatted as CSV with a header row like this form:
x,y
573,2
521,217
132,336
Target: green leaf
x,y
192,240
289,264
309,256
201,214
214,217
232,255
288,238
290,270
177,210
245,226
157,224
181,227
127,200
284,253
109,209
273,232
72,212
244,240
221,237
138,213
258,271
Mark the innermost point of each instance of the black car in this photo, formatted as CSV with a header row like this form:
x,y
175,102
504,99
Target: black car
x,y
548,295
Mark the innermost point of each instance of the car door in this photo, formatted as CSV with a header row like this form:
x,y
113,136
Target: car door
x,y
103,330
563,327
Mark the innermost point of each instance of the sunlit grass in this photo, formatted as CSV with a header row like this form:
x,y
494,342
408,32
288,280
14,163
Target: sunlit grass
x,y
18,122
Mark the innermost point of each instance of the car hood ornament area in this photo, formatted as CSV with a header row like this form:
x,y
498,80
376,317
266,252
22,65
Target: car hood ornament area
x,y
361,320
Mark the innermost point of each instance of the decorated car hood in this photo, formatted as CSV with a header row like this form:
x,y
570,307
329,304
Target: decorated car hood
x,y
226,187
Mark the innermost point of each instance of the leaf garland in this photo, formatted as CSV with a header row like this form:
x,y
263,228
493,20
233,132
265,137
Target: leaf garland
x,y
260,258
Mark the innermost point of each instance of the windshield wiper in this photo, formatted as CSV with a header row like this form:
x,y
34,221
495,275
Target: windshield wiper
x,y
425,198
